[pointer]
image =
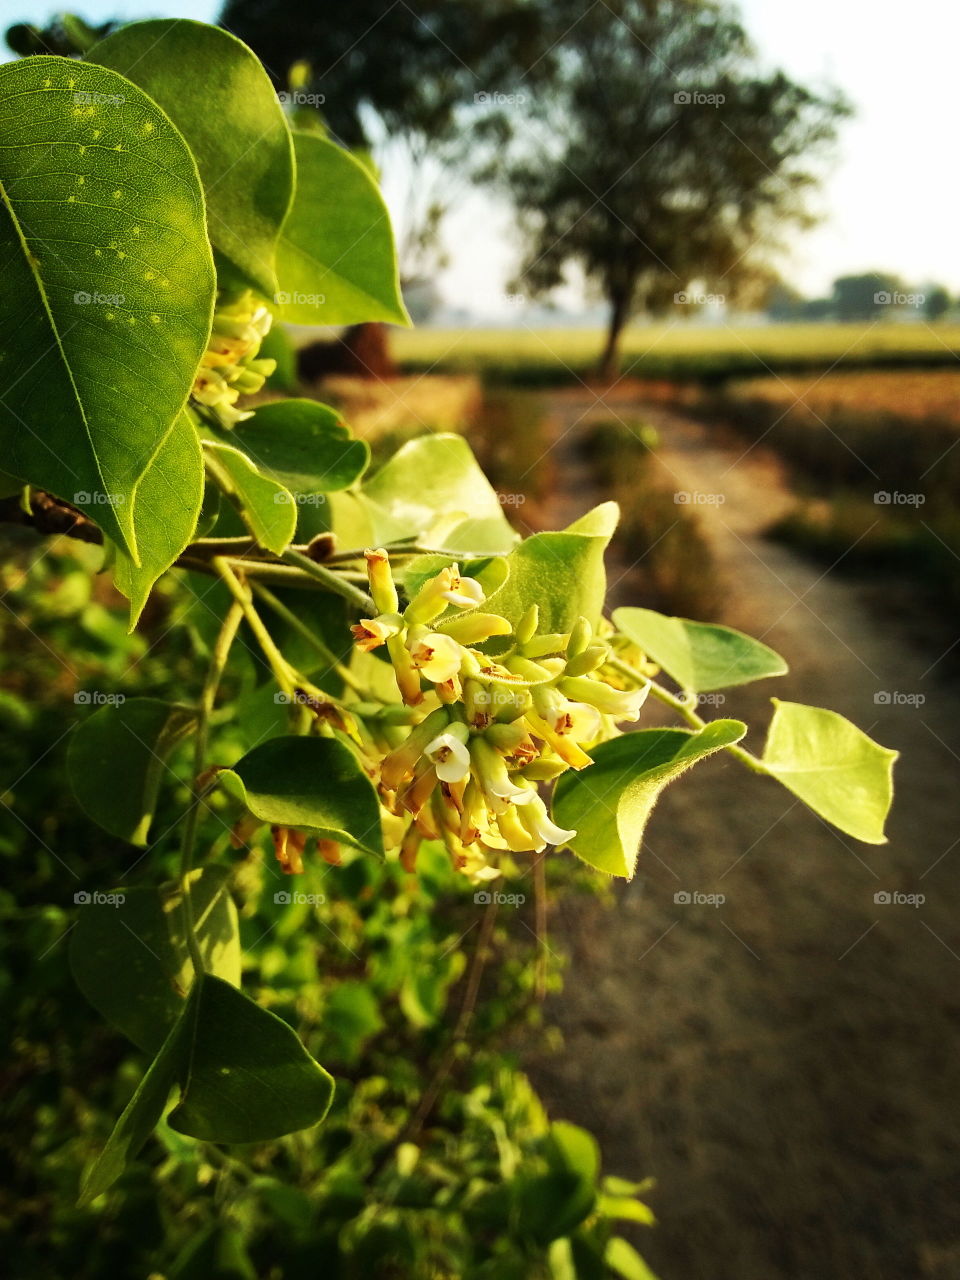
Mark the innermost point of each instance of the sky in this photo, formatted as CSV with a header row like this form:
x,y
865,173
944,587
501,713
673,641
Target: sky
x,y
890,197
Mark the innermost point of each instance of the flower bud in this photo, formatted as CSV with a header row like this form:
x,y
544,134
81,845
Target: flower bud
x,y
527,627
474,628
544,831
622,704
595,655
382,586
581,634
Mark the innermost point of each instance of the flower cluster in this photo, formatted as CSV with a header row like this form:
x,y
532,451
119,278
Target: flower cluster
x,y
230,367
482,733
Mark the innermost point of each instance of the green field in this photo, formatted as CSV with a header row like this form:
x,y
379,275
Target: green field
x,y
541,356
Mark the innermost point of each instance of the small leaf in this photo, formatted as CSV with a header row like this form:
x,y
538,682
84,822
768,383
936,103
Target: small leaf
x,y
130,958
622,1258
337,263
107,288
248,1077
701,657
166,509
218,95
609,803
268,509
833,766
562,573
576,1149
304,445
315,783
116,759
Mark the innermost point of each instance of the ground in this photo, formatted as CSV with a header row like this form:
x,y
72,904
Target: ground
x,y
780,1063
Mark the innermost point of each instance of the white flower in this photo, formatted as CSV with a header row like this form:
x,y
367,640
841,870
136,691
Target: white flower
x,y
543,829
437,656
465,593
450,757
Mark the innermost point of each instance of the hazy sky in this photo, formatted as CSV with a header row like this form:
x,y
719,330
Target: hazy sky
x,y
891,196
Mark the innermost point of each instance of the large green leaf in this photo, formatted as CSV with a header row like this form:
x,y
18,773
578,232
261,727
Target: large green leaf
x,y
248,1077
316,783
562,573
106,283
268,509
337,263
244,1076
608,803
304,445
833,766
699,656
117,758
218,95
129,955
165,514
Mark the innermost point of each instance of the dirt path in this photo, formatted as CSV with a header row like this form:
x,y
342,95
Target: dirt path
x,y
784,1064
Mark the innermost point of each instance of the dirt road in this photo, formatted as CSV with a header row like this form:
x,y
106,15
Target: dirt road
x,y
785,1064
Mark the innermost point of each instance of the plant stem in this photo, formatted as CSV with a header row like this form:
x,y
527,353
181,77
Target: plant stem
x,y
208,695
311,637
241,594
332,581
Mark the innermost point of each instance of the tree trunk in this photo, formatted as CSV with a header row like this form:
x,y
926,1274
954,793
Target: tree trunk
x,y
609,365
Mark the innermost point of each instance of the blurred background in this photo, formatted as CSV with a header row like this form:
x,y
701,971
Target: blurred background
x,y
702,259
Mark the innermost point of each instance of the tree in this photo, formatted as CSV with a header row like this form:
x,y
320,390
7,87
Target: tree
x,y
665,159
861,297
936,303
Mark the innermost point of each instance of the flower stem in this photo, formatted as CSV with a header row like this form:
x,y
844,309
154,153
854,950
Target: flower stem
x,y
332,581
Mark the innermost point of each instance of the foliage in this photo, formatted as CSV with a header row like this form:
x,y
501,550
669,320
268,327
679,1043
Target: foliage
x,y
679,160
392,682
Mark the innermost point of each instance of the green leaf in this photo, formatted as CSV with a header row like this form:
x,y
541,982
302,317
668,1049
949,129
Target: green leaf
x,y
316,783
165,514
303,445
138,1120
336,262
562,573
701,657
244,1076
576,1149
609,803
114,210
117,757
622,1258
833,766
268,509
218,95
130,957
248,1077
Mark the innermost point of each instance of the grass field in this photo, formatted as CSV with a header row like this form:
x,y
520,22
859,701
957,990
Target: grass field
x,y
544,356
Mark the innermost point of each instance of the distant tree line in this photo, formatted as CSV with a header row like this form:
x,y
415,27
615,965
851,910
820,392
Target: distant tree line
x,y
872,295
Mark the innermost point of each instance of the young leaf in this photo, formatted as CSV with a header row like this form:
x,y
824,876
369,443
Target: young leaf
x,y
701,657
303,445
562,573
609,803
130,957
337,263
107,289
165,513
218,95
117,757
314,783
833,766
268,509
248,1077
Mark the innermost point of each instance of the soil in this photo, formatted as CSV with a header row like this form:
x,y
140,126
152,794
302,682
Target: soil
x,y
783,1064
